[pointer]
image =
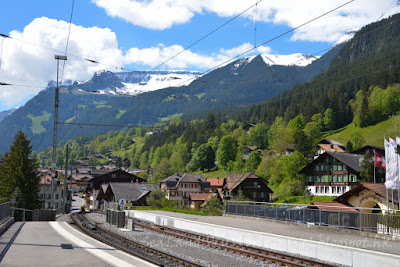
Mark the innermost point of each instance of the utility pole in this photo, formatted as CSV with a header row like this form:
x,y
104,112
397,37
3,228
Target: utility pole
x,y
66,183
70,184
53,164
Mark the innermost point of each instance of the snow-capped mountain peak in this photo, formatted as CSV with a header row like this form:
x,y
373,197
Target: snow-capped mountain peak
x,y
346,36
297,59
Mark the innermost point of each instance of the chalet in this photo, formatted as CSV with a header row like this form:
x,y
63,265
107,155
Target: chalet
x,y
332,173
180,186
250,149
370,150
135,194
247,127
45,193
290,149
94,184
215,183
252,187
199,200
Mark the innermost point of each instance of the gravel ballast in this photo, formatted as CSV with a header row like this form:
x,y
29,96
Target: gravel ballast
x,y
194,252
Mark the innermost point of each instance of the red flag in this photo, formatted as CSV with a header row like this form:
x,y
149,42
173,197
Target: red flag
x,y
379,161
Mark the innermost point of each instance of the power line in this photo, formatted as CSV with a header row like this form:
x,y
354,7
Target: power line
x,y
270,40
69,32
202,38
104,125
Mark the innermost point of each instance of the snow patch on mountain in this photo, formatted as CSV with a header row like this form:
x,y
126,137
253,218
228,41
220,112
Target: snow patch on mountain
x,y
346,36
139,81
297,59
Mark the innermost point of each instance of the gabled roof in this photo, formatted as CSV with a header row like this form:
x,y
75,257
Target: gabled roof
x,y
331,148
131,191
329,141
379,189
353,161
378,148
233,180
331,206
173,181
200,196
215,181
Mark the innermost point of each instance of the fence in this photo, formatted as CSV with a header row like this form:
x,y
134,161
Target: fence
x,y
5,209
332,216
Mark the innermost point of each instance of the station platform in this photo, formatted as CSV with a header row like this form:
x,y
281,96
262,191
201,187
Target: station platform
x,y
58,244
345,247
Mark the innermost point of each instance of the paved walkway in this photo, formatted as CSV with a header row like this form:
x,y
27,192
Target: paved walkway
x,y
57,244
345,238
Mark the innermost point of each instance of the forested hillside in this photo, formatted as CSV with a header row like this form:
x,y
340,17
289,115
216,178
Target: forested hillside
x,y
361,87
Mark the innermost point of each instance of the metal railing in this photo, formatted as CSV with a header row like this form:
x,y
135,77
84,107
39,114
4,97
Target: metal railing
x,y
365,219
5,209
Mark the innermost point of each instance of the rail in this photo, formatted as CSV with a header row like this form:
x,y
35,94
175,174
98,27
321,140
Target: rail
x,y
5,209
357,218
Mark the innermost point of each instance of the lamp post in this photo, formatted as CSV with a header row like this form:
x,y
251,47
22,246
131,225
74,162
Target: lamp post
x,y
53,163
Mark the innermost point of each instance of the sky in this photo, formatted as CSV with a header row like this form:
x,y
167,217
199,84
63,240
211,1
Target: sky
x,y
140,35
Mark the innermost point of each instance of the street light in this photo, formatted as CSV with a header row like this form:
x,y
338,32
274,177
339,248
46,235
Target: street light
x,y
53,163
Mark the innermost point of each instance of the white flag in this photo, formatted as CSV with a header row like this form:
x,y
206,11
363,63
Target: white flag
x,y
389,177
393,163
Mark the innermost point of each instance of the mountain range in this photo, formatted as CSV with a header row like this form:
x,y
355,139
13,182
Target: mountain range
x,y
135,98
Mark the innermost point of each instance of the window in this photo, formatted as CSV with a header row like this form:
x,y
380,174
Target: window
x,y
172,194
254,194
339,190
339,179
326,190
113,175
333,190
316,190
333,178
345,167
335,167
262,194
344,190
340,167
354,178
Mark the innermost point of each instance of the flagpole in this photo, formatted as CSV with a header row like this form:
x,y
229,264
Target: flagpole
x,y
387,191
374,167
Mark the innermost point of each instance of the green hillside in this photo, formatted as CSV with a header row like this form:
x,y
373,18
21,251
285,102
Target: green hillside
x,y
373,134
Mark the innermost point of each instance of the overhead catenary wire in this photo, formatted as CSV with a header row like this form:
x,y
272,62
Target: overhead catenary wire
x,y
270,40
69,33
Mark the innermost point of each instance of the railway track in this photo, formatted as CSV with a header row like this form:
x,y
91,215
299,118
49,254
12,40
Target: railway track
x,y
131,247
257,253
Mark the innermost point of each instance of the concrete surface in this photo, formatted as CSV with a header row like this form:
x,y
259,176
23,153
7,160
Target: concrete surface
x,y
59,244
341,248
6,224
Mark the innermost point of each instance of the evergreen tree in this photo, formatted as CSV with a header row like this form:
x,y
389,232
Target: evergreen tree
x,y
367,172
349,146
226,151
203,158
253,161
18,174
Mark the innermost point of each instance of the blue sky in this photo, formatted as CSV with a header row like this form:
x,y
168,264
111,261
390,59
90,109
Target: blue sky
x,y
139,35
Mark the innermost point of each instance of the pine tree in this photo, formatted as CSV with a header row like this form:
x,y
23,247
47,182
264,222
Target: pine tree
x,y
19,173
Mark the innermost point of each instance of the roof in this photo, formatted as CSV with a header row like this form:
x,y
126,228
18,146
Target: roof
x,y
331,206
215,181
234,179
173,181
330,141
333,148
353,161
379,189
379,148
131,191
290,147
200,196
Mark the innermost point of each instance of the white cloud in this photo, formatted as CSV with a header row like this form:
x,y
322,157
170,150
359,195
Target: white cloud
x,y
26,64
163,14
154,56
